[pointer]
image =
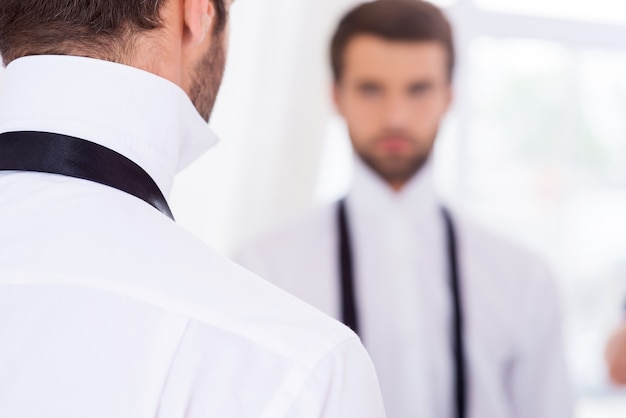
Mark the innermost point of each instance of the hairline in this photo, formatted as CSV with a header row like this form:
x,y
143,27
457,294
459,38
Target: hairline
x,y
337,78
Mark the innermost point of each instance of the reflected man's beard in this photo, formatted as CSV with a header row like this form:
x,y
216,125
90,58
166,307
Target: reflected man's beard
x,y
395,171
207,78
396,168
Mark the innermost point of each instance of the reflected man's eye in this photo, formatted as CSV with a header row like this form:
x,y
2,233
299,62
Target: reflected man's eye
x,y
370,90
420,89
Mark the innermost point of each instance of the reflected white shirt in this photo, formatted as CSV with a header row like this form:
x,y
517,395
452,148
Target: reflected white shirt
x,y
109,309
513,329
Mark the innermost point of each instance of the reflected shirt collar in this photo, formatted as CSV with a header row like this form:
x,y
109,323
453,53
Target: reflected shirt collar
x,y
144,117
371,194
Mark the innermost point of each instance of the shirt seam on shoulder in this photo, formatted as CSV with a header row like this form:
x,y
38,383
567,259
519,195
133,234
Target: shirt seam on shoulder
x,y
170,367
274,407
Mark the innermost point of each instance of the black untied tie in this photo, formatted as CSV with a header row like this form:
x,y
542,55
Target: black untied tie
x,y
52,153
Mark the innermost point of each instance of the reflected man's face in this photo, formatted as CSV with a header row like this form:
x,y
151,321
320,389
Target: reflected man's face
x,y
393,96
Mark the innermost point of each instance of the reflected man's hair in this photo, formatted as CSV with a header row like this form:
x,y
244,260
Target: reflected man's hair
x,y
393,20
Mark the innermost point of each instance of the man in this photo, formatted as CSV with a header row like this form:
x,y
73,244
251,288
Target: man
x,y
458,322
108,308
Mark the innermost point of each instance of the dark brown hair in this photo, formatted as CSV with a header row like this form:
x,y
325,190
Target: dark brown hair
x,y
61,27
393,20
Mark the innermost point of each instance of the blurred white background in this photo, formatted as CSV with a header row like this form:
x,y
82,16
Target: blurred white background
x,y
535,146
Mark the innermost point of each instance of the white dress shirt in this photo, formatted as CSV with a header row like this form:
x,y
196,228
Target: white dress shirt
x,y
512,319
108,309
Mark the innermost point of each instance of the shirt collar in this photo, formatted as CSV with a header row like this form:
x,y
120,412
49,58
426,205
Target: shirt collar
x,y
144,117
370,193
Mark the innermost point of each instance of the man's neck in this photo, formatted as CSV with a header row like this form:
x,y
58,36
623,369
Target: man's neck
x,y
397,186
140,115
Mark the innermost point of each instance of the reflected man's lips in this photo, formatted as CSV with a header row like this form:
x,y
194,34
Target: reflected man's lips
x,y
394,144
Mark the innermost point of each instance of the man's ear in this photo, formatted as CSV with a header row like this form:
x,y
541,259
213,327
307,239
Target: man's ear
x,y
199,17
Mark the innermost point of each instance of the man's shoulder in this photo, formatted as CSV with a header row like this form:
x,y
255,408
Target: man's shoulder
x,y
280,348
217,293
506,283
117,244
496,256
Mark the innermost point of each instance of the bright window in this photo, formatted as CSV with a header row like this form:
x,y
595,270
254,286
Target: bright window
x,y
610,11
546,159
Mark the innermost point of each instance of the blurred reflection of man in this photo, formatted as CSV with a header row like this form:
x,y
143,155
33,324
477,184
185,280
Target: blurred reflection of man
x,y
459,323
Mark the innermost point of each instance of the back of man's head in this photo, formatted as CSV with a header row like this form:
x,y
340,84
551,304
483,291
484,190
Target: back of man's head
x,y
105,29
393,20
